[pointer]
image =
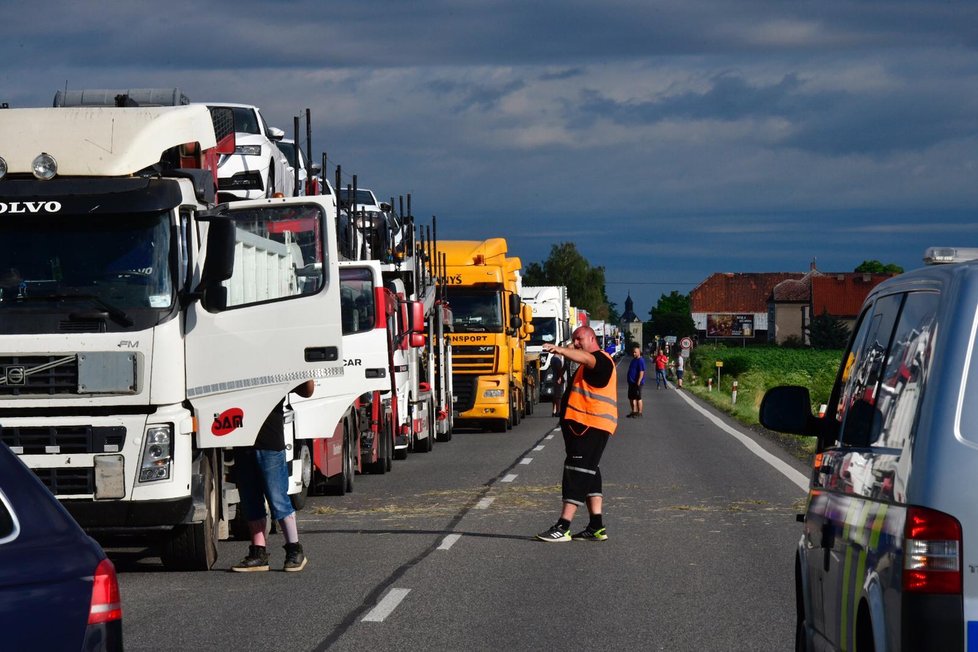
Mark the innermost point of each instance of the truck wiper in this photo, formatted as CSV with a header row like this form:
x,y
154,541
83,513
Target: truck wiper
x,y
114,312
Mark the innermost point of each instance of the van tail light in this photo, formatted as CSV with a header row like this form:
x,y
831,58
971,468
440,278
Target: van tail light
x,y
931,552
106,604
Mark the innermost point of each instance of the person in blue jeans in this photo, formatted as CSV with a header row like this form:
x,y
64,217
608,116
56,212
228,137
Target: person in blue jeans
x,y
261,472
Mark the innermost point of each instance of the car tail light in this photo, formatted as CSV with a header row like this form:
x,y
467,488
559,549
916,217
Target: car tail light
x,y
931,552
106,604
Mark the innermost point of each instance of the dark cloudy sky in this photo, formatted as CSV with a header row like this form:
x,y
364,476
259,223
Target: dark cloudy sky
x,y
666,139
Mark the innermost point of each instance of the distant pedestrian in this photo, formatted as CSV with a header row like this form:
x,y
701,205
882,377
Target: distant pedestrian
x,y
589,417
661,362
680,367
636,378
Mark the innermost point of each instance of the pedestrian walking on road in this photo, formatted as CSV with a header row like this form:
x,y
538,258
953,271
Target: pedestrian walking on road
x,y
589,417
680,369
261,472
661,362
636,378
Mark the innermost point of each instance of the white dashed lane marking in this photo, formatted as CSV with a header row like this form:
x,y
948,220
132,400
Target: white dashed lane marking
x,y
526,460
509,478
539,448
449,541
485,502
386,606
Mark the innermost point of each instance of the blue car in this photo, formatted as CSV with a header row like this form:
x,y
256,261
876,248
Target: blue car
x,y
58,590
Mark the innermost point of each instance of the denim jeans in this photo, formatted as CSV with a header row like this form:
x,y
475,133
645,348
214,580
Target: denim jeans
x,y
262,474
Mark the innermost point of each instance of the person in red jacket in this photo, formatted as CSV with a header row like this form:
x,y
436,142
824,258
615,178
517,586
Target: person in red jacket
x,y
661,362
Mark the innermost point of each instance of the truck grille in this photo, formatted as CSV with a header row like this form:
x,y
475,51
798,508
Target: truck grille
x,y
68,482
463,392
474,359
63,439
38,375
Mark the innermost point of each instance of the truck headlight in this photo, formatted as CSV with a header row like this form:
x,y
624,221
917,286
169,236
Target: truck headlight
x,y
157,454
493,393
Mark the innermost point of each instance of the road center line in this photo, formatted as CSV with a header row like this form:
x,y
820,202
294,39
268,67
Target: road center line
x,y
526,460
449,541
786,470
509,478
387,605
484,503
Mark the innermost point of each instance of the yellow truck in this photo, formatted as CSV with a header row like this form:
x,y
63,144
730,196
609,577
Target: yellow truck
x,y
489,338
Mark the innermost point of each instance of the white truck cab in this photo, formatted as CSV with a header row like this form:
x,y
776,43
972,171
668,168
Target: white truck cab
x,y
143,330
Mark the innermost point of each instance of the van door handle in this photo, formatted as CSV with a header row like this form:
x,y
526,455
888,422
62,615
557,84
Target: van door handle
x,y
322,354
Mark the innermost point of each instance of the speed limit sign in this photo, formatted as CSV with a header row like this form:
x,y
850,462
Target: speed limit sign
x,y
686,343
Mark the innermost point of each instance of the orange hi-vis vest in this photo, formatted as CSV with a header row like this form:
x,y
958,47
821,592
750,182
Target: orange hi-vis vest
x,y
594,407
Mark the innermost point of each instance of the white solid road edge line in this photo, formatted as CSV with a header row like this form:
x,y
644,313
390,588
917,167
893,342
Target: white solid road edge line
x,y
387,605
450,539
786,470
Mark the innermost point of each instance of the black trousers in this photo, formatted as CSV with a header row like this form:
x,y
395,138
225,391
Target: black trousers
x,y
582,477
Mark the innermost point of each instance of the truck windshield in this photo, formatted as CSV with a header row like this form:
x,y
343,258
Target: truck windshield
x,y
475,312
544,331
113,263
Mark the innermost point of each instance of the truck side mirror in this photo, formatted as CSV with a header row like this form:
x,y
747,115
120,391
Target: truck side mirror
x,y
219,264
416,317
515,322
416,340
514,304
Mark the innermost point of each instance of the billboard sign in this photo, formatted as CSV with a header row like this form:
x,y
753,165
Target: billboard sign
x,y
729,325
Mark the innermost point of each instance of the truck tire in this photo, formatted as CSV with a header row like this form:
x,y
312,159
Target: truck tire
x,y
352,460
305,462
342,483
425,445
193,546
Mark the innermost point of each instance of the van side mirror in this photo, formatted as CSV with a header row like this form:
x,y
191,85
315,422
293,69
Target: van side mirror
x,y
788,409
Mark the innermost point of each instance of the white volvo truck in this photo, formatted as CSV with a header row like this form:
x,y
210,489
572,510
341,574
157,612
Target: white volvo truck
x,y
144,331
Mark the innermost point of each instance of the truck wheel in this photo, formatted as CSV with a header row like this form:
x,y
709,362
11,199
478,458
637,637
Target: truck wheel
x,y
305,463
430,428
383,455
193,546
350,461
342,483
389,438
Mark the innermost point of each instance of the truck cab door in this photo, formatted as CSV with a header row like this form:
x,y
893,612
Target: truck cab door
x,y
266,324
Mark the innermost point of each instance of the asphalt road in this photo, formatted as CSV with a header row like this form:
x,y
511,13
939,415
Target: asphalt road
x,y
439,554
